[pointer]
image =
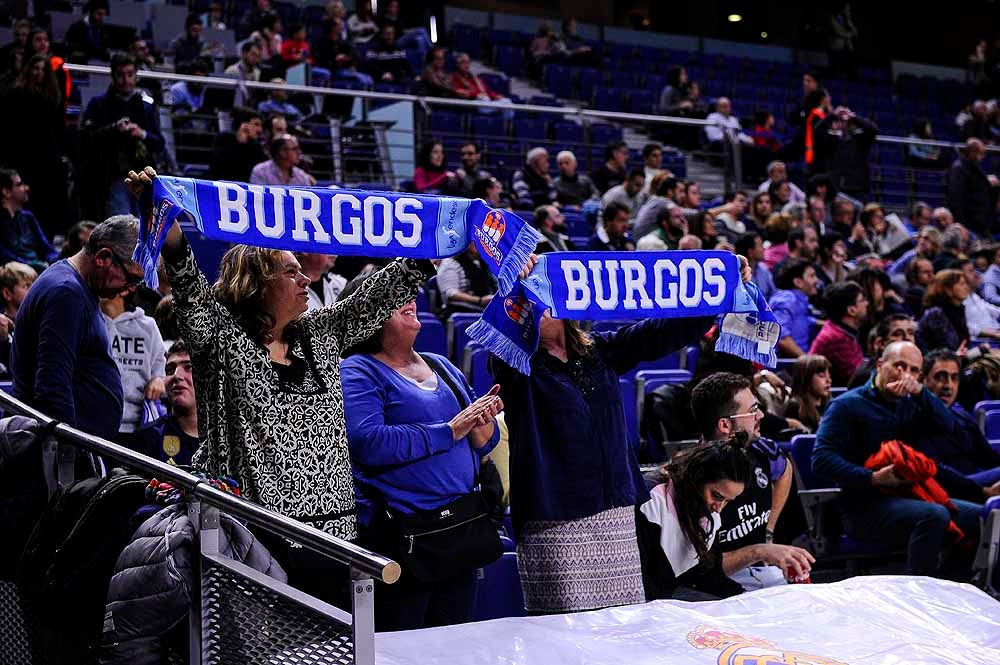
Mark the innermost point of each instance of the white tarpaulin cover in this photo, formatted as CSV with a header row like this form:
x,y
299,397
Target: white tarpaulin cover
x,y
861,621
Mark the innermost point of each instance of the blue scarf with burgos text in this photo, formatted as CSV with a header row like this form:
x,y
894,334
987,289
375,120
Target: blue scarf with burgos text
x,y
577,285
630,285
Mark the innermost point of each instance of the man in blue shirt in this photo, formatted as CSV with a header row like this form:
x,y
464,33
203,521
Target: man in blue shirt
x,y
21,237
895,406
60,357
797,282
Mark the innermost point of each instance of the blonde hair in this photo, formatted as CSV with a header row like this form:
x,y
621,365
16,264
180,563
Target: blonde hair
x,y
14,272
243,275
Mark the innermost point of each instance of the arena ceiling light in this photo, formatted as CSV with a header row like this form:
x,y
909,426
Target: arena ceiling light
x,y
734,18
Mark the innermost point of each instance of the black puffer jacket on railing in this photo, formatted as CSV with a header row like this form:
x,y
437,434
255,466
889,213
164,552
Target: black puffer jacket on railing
x,y
151,590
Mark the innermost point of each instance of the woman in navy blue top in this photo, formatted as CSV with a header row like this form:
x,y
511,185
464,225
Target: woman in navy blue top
x,y
413,448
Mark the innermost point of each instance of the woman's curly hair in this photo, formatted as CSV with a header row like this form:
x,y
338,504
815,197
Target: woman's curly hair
x,y
243,275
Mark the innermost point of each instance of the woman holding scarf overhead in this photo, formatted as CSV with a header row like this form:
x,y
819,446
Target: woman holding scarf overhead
x,y
267,376
575,478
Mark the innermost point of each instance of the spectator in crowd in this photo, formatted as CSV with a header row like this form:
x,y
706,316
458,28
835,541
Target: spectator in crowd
x,y
652,163
816,213
188,46
282,168
173,438
432,175
294,411
21,237
550,223
139,49
672,227
724,404
188,97
76,238
942,218
689,242
471,170
572,48
416,434
982,318
12,54
673,97
361,24
920,216
991,279
572,187
138,351
336,14
15,280
751,246
386,60
662,193
943,324
777,172
964,448
765,138
575,521
465,282
893,406
776,229
843,141
819,105
267,36
542,50
919,276
612,233
121,131
87,38
837,340
409,38
491,190
532,185
277,102
953,245
295,48
704,228
887,235
797,284
338,55
760,209
810,386
245,69
723,123
831,255
928,246
731,223
254,16
977,126
235,154
325,286
467,85
613,171
803,243
628,193
435,78
892,328
678,525
61,358
213,18
882,298
39,44
920,155
843,222
781,194
969,192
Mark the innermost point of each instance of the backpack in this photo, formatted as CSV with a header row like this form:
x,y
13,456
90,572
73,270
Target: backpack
x,y
68,561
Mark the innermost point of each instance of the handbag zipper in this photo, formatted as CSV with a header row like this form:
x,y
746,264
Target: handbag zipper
x,y
447,528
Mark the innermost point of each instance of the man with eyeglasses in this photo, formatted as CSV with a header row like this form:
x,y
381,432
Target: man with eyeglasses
x,y
725,407
876,504
60,357
471,171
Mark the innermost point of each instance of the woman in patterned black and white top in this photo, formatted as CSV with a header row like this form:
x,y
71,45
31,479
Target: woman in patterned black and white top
x,y
267,372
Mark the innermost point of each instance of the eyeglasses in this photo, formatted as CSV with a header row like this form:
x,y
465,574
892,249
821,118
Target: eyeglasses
x,y
130,279
754,411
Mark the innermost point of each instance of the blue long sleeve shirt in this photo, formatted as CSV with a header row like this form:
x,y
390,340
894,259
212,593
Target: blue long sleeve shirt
x,y
569,452
22,239
61,358
791,309
856,424
402,448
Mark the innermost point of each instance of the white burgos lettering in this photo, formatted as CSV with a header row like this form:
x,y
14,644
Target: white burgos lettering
x,y
631,285
376,222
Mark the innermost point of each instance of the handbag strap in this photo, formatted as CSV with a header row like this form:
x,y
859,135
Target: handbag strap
x,y
443,374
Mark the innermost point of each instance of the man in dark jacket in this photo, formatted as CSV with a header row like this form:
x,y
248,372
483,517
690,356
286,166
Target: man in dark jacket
x,y
21,237
121,132
87,39
843,141
532,185
969,192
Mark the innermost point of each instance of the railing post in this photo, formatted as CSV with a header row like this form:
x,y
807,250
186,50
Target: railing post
x,y
206,523
363,612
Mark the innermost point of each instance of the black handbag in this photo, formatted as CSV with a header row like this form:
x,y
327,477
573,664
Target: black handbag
x,y
434,545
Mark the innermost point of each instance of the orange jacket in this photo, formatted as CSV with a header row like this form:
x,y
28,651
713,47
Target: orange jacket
x,y
812,120
919,470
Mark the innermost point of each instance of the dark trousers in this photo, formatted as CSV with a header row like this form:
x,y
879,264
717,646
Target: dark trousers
x,y
407,605
920,527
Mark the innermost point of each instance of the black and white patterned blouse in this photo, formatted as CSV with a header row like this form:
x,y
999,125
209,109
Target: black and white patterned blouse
x,y
285,444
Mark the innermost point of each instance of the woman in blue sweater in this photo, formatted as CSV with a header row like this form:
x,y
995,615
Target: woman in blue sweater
x,y
414,447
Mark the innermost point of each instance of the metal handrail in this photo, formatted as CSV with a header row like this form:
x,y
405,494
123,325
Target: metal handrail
x,y
381,568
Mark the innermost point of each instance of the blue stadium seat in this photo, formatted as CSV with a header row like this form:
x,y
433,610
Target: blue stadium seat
x,y
530,128
497,83
498,592
446,121
510,60
488,126
457,339
432,337
609,99
576,224
601,134
567,132
466,38
991,424
476,367
587,80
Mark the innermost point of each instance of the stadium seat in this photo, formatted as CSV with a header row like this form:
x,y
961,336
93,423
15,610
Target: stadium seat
x,y
457,339
432,337
991,424
498,592
476,367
